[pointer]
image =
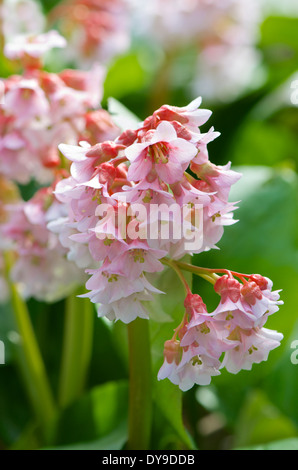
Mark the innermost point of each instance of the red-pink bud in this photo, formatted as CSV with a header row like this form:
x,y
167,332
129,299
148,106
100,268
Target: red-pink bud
x,y
166,113
194,303
228,287
104,151
106,173
260,281
128,137
251,292
172,351
74,78
51,158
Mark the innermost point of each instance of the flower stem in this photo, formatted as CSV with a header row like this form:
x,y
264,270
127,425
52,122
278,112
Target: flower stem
x,y
77,348
174,266
30,361
140,388
210,272
205,273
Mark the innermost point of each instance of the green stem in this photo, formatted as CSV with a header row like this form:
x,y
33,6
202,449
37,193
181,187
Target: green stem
x,y
205,273
77,348
30,361
174,266
140,387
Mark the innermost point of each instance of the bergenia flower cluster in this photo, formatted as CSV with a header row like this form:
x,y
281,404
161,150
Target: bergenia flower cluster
x,y
96,30
232,337
41,269
41,109
117,191
113,187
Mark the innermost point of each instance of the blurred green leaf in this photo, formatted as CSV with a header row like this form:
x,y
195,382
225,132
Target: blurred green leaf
x,y
285,444
7,330
124,76
279,42
15,410
282,383
264,143
111,366
168,400
113,441
96,415
260,421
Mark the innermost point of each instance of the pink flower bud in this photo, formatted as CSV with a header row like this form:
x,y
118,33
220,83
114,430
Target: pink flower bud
x,y
251,292
172,351
104,151
228,287
260,281
194,303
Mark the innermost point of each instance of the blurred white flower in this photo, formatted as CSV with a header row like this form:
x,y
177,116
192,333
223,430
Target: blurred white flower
x,y
21,17
224,32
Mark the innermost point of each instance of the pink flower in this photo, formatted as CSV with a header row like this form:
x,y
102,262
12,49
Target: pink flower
x,y
254,347
186,119
26,101
163,153
204,333
246,306
138,258
218,178
127,309
186,369
195,352
107,286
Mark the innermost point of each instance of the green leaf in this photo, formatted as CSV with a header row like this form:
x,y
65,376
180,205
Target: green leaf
x,y
282,383
96,415
260,421
285,444
168,400
125,75
113,441
7,330
280,46
264,143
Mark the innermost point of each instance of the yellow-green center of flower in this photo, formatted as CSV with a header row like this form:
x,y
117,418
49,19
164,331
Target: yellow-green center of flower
x,y
138,255
159,152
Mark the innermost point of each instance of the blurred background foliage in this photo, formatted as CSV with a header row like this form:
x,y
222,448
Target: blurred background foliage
x,y
254,409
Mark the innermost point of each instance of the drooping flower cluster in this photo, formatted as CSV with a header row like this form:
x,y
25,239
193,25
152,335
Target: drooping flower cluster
x,y
96,30
126,199
42,109
41,269
234,331
224,32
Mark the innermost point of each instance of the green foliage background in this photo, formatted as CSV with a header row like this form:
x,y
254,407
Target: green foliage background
x,y
255,409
